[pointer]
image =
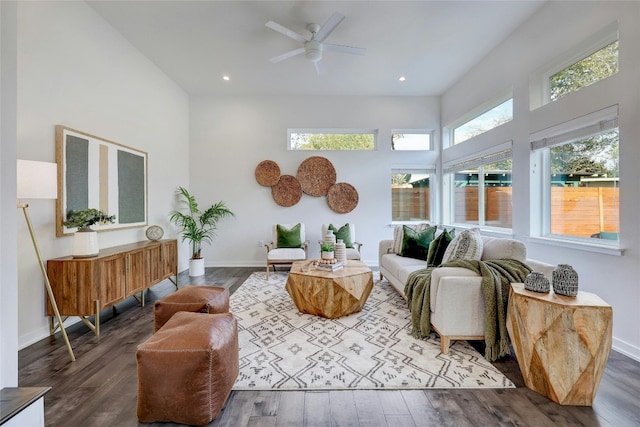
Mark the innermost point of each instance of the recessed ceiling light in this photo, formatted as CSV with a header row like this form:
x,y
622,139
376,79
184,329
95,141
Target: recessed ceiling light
x,y
226,78
402,78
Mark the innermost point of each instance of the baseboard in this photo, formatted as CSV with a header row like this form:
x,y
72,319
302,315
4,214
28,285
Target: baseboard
x,y
263,264
42,333
626,348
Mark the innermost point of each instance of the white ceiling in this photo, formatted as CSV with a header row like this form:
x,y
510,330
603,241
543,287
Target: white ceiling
x,y
432,43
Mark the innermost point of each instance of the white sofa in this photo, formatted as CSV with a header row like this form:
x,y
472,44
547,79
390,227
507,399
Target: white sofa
x,y
456,302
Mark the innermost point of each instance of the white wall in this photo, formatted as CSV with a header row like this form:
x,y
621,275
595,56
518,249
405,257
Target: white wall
x,y
231,135
74,69
8,257
556,28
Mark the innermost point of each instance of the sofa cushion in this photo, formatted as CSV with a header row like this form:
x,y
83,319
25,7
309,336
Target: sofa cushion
x,y
438,247
498,248
394,263
415,244
466,245
398,234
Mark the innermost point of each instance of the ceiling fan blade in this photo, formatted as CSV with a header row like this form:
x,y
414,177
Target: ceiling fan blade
x,y
287,55
329,26
343,49
319,67
287,32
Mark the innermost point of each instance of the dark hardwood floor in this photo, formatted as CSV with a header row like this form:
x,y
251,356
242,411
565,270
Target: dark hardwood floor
x,y
99,389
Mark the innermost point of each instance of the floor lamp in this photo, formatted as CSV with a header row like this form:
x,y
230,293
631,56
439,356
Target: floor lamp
x,y
39,180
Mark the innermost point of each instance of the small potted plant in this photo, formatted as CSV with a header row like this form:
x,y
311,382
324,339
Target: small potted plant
x,y
327,251
197,226
85,239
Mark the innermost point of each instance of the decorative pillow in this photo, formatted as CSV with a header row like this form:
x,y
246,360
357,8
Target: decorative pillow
x,y
289,238
398,234
466,245
438,247
415,244
343,233
501,248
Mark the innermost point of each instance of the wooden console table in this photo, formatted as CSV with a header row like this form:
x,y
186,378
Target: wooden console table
x,y
562,343
85,286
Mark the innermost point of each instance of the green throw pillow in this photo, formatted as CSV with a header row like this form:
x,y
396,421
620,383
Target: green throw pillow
x,y
415,244
438,246
289,238
343,233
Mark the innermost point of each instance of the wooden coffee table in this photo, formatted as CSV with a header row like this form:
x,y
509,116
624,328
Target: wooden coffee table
x,y
561,343
330,294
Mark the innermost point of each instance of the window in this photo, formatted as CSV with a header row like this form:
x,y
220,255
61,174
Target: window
x,y
480,189
592,60
580,178
490,118
331,139
410,139
597,66
410,195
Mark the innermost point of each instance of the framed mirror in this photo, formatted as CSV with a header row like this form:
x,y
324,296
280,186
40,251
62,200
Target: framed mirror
x,y
96,173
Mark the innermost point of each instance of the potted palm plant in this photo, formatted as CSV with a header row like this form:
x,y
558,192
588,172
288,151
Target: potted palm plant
x,y
197,226
85,240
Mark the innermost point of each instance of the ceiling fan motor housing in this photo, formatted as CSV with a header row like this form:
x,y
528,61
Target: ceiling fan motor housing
x,y
313,50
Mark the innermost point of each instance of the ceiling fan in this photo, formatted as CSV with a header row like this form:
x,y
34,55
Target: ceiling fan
x,y
314,45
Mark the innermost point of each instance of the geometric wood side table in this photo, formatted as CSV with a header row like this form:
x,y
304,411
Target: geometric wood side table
x,y
562,343
330,294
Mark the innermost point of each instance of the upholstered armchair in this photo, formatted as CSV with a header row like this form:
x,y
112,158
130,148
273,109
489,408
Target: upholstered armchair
x,y
288,244
353,247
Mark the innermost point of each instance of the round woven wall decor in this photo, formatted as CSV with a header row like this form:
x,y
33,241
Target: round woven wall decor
x,y
267,173
287,192
316,175
342,197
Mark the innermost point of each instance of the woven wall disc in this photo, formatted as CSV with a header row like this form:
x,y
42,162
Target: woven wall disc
x,y
316,175
342,197
287,192
267,173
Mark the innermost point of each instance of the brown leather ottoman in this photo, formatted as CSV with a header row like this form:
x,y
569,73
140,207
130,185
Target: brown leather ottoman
x,y
186,370
200,299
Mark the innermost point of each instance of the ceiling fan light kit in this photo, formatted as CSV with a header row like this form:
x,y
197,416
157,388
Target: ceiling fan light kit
x,y
314,46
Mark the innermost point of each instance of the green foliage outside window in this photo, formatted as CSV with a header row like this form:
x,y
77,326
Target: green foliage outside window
x,y
597,154
595,67
332,141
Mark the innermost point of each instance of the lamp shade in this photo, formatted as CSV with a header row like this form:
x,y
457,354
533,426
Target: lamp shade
x,y
37,180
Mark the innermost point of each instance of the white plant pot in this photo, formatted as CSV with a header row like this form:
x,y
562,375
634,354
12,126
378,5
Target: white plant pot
x,y
196,267
327,255
85,244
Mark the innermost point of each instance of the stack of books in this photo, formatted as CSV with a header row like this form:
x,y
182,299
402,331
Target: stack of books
x,y
330,267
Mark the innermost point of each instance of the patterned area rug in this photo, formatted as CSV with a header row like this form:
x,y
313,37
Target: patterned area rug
x,y
281,348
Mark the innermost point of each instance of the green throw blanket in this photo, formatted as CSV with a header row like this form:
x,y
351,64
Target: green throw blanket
x,y
497,276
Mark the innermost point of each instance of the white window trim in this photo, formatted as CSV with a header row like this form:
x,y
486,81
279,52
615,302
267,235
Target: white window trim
x,y
429,132
565,133
539,82
449,130
417,168
332,131
491,155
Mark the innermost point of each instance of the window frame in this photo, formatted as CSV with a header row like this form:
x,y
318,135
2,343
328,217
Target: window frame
x,y
489,156
326,131
429,132
541,143
540,81
404,169
450,130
